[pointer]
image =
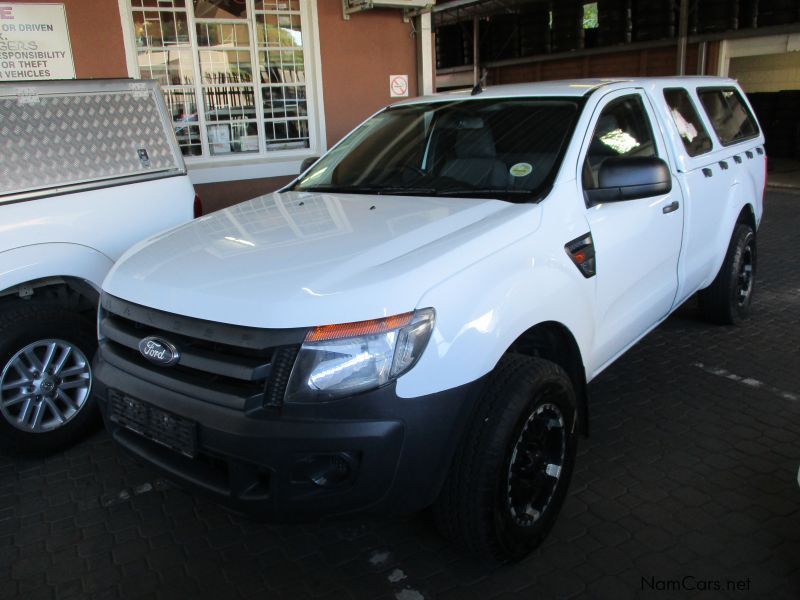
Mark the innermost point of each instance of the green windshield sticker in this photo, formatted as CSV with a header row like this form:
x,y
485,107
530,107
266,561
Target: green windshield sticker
x,y
521,169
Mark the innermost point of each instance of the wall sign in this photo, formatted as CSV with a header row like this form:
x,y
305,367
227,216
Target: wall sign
x,y
398,86
34,42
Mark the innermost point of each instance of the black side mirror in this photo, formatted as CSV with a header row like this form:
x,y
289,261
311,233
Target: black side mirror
x,y
628,178
307,162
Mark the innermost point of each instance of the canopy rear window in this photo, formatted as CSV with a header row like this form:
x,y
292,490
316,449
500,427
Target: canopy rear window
x,y
729,115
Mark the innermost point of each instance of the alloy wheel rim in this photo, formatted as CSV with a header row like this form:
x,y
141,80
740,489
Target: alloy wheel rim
x,y
44,385
744,284
536,464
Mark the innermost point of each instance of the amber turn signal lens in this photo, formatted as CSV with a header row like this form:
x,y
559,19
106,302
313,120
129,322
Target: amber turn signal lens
x,y
346,330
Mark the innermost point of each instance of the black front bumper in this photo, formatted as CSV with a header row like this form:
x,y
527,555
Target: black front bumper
x,y
373,452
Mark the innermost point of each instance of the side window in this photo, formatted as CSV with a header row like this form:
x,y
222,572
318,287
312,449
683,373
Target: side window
x,y
728,114
693,134
623,129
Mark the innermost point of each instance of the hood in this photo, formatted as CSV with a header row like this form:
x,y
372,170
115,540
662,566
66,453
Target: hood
x,y
300,259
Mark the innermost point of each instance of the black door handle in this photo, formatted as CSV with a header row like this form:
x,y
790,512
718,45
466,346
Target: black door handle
x,y
671,207
737,159
708,172
723,165
749,154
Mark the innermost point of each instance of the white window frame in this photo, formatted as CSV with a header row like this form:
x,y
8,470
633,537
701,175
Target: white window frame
x,y
264,163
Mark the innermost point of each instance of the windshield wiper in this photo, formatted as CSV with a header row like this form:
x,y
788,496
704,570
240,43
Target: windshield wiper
x,y
398,190
409,191
378,190
490,192
340,189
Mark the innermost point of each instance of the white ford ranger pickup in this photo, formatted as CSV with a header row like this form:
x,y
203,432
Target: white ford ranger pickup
x,y
87,168
414,320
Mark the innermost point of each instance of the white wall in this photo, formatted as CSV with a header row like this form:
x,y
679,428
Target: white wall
x,y
767,73
757,49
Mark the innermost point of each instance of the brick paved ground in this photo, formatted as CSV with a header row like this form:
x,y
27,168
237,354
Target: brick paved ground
x,y
690,471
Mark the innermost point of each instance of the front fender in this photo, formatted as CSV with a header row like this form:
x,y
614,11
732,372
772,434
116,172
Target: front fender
x,y
483,309
40,261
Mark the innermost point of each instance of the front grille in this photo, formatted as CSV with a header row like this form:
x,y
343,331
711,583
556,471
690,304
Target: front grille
x,y
238,367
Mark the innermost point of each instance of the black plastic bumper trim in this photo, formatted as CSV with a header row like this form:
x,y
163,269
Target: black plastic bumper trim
x,y
248,460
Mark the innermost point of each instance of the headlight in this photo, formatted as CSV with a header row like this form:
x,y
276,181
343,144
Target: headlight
x,y
339,360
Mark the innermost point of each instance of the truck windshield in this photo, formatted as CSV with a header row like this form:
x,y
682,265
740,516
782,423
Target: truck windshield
x,y
507,148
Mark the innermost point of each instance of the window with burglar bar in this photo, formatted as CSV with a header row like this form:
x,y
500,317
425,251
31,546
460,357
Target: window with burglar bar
x,y
232,72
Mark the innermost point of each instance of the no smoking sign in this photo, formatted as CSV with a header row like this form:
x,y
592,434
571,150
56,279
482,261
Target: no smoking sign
x,y
398,86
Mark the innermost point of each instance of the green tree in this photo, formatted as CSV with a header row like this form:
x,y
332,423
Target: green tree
x,y
590,15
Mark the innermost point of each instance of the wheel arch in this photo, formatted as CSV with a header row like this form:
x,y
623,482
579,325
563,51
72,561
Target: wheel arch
x,y
747,216
70,291
739,209
60,272
553,341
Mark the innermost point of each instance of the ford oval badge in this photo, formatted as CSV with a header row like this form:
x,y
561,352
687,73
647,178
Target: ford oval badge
x,y
159,351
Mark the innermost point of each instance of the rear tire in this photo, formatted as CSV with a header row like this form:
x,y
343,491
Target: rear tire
x,y
727,300
512,470
45,376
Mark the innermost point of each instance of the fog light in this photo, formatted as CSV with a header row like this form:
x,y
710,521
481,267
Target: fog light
x,y
325,470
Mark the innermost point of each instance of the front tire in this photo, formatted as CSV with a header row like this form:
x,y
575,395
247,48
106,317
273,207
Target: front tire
x,y
727,300
511,473
45,376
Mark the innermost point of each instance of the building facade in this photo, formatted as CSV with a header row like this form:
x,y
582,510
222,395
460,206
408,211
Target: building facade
x,y
257,86
254,86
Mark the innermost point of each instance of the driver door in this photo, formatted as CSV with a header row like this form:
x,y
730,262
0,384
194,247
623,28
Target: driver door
x,y
637,242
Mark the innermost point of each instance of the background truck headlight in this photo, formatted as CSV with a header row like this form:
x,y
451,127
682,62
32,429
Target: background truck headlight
x,y
340,360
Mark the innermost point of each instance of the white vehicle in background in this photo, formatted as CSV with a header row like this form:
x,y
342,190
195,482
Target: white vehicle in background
x,y
87,168
414,320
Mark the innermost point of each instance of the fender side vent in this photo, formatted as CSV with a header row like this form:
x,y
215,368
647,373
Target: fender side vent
x,y
581,252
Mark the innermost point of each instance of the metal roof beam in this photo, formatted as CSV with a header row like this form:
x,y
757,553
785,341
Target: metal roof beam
x,y
465,10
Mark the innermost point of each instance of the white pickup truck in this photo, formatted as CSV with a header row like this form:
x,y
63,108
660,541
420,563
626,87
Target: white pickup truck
x,y
415,319
87,168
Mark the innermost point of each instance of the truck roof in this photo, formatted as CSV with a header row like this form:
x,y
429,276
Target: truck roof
x,y
568,87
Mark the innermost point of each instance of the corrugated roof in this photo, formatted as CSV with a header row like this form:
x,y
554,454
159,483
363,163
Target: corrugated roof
x,y
446,13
